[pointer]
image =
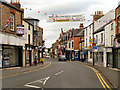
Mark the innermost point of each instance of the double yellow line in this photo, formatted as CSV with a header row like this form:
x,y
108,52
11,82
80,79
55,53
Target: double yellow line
x,y
102,81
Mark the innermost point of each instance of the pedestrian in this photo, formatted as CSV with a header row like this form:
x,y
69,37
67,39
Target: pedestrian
x,y
35,61
42,61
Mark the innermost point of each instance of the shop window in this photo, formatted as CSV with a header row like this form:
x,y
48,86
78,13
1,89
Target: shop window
x,y
96,39
86,32
72,44
69,45
90,54
12,22
86,42
111,39
29,26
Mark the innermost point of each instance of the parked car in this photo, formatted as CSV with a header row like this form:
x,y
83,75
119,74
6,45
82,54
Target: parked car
x,y
62,58
47,56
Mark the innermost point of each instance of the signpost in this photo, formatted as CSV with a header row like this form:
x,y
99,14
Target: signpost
x,y
20,29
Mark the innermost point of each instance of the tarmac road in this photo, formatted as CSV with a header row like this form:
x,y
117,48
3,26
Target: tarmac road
x,y
57,75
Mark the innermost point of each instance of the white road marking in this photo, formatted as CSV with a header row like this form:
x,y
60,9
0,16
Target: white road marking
x,y
32,86
59,73
42,81
45,80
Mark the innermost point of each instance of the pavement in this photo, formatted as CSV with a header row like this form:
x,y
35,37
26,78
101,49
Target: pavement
x,y
7,72
112,75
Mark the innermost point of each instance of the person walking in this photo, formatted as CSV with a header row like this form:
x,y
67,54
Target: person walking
x,y
42,61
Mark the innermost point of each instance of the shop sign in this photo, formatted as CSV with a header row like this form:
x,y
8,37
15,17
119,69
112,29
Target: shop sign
x,y
86,48
95,50
89,47
94,47
20,29
109,49
35,50
94,44
29,48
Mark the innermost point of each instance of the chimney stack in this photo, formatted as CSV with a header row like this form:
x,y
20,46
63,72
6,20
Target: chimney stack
x,y
16,3
98,15
81,26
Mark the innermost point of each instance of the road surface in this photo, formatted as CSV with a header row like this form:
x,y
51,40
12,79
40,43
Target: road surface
x,y
57,75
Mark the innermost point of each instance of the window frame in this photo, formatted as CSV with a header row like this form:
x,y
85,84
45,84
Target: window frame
x,y
12,28
112,26
101,37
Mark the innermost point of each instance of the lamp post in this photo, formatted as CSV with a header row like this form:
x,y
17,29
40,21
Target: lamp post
x,y
93,40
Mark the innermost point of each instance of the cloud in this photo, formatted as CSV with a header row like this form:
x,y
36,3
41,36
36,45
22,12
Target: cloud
x,y
63,7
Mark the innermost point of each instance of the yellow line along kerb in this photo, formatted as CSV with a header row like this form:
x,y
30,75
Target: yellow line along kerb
x,y
102,81
27,71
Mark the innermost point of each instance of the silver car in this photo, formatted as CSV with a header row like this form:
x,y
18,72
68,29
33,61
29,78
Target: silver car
x,y
62,58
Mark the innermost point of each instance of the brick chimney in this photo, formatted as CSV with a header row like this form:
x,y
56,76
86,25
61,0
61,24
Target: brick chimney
x,y
81,26
16,3
98,14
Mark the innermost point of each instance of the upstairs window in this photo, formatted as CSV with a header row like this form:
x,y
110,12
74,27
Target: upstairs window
x,y
29,26
119,25
101,37
96,39
12,22
72,44
69,45
112,26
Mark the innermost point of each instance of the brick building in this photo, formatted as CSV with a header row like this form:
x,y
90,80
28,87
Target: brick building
x,y
117,40
40,40
12,41
68,44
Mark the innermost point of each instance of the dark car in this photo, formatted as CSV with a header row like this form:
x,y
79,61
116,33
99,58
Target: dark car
x,y
62,58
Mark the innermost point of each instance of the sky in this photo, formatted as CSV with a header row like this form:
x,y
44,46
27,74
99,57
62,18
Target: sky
x,y
63,7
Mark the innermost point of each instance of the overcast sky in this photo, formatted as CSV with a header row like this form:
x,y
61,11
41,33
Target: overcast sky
x,y
64,7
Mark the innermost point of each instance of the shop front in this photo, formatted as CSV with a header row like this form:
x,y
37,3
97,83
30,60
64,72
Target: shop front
x,y
12,56
100,58
116,62
77,55
28,52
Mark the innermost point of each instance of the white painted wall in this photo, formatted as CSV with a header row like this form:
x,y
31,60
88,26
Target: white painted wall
x,y
109,33
107,17
11,39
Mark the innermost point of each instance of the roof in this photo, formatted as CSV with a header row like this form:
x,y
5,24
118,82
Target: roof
x,y
30,18
28,22
75,32
81,33
102,28
11,6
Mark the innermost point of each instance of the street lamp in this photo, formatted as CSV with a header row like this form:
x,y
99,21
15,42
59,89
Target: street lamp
x,y
93,40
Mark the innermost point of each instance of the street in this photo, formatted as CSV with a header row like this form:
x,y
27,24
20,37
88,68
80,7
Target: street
x,y
57,75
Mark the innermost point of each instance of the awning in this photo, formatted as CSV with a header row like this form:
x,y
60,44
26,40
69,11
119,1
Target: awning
x,y
83,52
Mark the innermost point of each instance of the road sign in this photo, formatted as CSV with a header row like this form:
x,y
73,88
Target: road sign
x,y
90,47
94,44
94,47
90,41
